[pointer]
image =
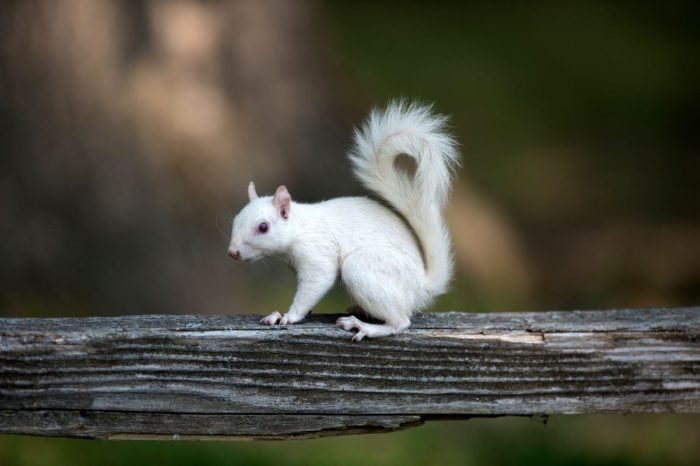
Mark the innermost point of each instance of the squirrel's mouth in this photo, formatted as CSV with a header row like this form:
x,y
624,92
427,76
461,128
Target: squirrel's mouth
x,y
250,258
240,255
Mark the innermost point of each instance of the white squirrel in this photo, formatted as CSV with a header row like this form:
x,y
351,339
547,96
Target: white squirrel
x,y
391,267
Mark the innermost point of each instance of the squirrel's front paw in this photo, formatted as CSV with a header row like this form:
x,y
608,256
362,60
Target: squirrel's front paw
x,y
289,319
277,318
272,319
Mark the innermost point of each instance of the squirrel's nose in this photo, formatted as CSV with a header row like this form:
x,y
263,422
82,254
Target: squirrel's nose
x,y
235,254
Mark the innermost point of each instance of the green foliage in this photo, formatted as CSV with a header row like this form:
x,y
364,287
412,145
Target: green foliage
x,y
584,440
585,107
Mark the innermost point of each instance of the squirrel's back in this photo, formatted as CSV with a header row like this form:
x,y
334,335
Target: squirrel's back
x,y
361,222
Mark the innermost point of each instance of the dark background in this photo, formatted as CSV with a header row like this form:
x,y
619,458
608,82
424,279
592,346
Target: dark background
x,y
129,131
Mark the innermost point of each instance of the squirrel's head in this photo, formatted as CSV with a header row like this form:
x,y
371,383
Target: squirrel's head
x,y
261,228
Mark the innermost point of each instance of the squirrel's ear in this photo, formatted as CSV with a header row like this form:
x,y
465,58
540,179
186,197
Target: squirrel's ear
x,y
282,201
252,195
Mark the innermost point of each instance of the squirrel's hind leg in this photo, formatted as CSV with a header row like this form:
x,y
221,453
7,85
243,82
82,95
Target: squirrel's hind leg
x,y
381,289
371,330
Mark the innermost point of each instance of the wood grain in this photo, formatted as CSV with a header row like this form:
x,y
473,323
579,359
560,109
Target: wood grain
x,y
162,376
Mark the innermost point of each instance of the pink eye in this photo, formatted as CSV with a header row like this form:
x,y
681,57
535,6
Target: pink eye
x,y
263,227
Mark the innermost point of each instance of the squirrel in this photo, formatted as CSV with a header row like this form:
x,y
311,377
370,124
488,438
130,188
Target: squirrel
x,y
392,260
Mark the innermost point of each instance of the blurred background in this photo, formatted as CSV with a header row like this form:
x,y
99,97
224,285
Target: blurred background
x,y
130,129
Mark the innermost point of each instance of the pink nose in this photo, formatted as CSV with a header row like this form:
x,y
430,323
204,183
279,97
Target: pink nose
x,y
235,254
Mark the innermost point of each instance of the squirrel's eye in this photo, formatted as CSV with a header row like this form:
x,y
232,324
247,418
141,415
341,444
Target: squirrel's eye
x,y
263,227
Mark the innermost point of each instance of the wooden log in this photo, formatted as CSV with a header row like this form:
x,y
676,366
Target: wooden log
x,y
163,376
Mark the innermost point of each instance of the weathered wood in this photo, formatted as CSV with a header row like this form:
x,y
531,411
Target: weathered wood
x,y
229,377
129,425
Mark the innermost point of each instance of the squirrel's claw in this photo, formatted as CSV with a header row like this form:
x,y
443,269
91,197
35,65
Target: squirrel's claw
x,y
347,323
272,319
350,323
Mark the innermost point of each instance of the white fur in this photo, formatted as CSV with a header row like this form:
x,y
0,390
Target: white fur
x,y
385,272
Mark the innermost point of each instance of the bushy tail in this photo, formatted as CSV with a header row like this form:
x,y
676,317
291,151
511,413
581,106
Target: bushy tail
x,y
420,192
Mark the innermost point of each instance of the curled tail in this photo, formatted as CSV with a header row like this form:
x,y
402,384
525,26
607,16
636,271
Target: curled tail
x,y
419,194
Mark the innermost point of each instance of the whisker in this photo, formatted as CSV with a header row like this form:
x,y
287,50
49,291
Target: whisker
x,y
218,228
